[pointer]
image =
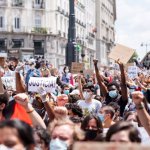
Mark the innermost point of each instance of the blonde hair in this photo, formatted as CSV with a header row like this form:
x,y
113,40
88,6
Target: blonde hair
x,y
78,134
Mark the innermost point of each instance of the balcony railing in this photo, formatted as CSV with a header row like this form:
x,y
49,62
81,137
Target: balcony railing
x,y
17,3
25,29
39,30
38,6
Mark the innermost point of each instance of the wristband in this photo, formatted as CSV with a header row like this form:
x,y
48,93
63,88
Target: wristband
x,y
139,106
30,111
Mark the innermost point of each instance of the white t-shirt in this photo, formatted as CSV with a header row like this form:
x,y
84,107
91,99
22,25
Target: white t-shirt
x,y
92,107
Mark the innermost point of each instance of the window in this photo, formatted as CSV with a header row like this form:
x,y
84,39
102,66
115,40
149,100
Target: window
x,y
17,23
38,2
1,22
37,21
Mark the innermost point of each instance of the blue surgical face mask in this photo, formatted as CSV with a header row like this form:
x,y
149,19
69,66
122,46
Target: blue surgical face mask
x,y
113,94
66,92
57,144
101,117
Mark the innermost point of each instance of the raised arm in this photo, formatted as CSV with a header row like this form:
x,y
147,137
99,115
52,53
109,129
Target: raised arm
x,y
80,87
123,82
100,80
143,115
23,100
47,105
141,85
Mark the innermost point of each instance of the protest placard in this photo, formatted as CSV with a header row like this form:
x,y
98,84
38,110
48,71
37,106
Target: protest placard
x,y
2,61
49,84
77,67
132,72
88,72
9,82
121,52
108,146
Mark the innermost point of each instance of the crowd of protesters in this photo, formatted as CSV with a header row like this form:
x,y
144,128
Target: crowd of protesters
x,y
103,107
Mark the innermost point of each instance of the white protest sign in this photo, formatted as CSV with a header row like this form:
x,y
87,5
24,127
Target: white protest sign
x,y
132,72
49,84
9,82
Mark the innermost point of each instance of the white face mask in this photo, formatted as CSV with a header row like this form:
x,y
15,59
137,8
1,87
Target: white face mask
x,y
86,95
66,70
57,144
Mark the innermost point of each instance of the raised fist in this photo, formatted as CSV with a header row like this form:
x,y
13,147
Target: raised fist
x,y
137,97
95,61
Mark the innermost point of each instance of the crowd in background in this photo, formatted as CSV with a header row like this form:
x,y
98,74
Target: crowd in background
x,y
103,107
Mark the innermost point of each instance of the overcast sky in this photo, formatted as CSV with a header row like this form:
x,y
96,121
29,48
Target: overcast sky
x,y
133,24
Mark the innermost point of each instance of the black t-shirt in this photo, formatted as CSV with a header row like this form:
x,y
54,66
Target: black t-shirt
x,y
122,103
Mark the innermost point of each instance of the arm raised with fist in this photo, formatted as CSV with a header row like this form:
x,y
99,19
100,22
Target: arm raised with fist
x,y
143,115
23,100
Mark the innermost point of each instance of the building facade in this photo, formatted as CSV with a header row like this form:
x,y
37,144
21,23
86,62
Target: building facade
x,y
40,28
24,27
105,22
85,38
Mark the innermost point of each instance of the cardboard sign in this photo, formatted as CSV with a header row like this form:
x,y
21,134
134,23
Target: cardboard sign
x,y
77,67
2,61
9,82
132,72
49,84
121,52
108,146
88,72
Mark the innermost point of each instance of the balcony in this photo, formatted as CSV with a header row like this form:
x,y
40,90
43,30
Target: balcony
x,y
91,35
39,30
17,3
3,3
41,5
80,5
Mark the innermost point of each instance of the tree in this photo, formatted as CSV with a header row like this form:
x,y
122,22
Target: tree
x,y
134,57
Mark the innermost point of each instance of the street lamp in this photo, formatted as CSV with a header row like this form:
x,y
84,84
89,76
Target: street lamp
x,y
71,53
146,45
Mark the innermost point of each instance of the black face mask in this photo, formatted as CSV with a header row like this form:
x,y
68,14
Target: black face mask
x,y
91,134
11,67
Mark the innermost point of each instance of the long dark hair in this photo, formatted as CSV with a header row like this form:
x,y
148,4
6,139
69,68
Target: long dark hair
x,y
133,132
90,117
24,130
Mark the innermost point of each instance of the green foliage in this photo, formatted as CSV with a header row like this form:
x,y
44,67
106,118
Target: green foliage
x,y
134,56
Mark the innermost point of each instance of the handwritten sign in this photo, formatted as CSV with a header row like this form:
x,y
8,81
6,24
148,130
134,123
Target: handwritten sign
x,y
88,72
132,72
121,52
9,82
48,83
76,67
